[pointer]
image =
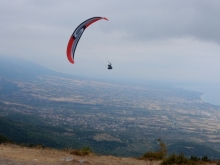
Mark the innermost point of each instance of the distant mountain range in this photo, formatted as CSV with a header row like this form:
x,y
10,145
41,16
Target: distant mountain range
x,y
17,68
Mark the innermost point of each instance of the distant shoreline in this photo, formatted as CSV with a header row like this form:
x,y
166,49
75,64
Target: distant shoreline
x,y
211,94
209,98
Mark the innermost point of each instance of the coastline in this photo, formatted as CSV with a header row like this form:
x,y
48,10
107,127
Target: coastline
x,y
211,94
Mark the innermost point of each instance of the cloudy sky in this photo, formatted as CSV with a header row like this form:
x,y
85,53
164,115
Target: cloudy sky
x,y
146,40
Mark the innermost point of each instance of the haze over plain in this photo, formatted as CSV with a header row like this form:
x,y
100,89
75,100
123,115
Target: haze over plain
x,y
165,41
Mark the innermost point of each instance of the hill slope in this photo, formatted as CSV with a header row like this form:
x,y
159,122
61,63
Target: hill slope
x,y
16,155
20,69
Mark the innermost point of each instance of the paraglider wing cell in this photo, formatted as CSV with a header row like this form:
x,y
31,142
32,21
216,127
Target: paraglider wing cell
x,y
74,39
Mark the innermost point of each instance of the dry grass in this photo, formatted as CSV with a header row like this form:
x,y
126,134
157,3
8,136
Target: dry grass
x,y
16,155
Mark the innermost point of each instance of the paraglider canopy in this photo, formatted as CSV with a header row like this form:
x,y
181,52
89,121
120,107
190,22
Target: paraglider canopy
x,y
74,39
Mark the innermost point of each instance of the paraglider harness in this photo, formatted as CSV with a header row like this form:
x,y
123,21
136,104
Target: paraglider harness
x,y
109,66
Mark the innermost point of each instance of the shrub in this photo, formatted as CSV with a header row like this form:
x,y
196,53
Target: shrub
x,y
158,155
4,139
30,145
81,152
39,146
194,158
153,155
181,159
175,159
205,159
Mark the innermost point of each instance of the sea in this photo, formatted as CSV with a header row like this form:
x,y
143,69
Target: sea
x,y
211,94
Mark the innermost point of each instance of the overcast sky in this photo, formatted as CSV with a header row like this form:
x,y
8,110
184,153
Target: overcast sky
x,y
151,40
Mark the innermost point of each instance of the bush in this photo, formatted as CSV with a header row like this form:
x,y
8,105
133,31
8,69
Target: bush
x,y
194,158
82,152
205,159
152,155
175,159
181,159
4,139
39,146
158,155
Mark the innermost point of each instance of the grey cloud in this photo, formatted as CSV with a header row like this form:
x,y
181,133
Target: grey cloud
x,y
150,20
161,37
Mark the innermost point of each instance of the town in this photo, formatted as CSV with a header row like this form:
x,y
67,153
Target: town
x,y
117,109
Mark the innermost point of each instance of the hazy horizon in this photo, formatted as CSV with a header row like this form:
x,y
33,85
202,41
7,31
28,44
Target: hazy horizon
x,y
211,93
172,41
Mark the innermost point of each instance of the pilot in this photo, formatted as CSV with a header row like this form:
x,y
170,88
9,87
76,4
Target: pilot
x,y
109,66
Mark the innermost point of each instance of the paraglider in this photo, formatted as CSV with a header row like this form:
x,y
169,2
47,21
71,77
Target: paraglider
x,y
74,39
